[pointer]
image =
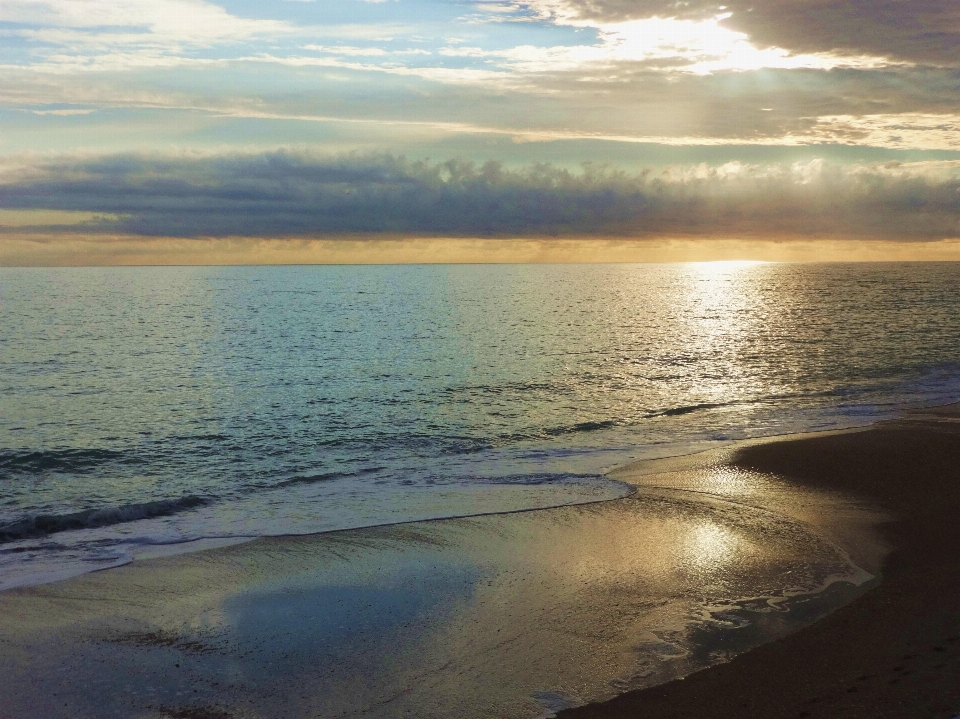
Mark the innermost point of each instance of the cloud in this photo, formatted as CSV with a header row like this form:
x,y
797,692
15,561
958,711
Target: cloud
x,y
353,50
185,21
301,195
906,130
97,35
65,112
52,218
289,99
920,31
458,76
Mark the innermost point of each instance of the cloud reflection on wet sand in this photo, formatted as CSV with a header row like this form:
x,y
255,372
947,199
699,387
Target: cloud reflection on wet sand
x,y
476,617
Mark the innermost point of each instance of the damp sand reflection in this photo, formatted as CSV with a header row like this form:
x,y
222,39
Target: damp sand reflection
x,y
507,615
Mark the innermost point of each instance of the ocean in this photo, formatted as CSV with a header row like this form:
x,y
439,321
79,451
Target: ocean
x,y
155,410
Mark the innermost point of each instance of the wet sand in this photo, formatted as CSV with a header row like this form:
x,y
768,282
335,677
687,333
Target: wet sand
x,y
505,616
895,651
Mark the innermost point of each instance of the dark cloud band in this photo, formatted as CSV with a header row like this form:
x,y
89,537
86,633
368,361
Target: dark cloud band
x,y
290,194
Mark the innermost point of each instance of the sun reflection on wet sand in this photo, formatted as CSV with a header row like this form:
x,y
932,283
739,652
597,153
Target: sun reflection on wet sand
x,y
487,616
711,548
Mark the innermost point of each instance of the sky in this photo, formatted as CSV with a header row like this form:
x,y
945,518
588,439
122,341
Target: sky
x,y
628,120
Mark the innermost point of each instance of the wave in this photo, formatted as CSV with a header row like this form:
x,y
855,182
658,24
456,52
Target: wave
x,y
677,411
326,477
539,478
57,460
42,525
580,427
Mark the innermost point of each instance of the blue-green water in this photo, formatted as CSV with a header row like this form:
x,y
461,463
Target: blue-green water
x,y
160,409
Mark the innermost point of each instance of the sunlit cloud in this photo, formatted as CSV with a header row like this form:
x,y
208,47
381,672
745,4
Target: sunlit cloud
x,y
52,218
907,130
65,112
467,75
905,32
353,50
702,46
183,21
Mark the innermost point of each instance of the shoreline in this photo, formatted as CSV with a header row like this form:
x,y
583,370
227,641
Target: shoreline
x,y
163,549
579,590
892,652
794,477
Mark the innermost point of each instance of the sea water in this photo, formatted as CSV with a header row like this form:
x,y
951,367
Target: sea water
x,y
150,410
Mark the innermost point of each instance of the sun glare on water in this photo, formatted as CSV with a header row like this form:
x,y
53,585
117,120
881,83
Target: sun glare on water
x,y
721,265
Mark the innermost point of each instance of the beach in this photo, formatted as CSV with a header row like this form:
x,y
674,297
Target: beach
x,y
479,359
895,651
317,525
525,614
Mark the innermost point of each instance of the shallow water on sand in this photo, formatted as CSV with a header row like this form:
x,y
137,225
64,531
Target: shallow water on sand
x,y
148,410
508,616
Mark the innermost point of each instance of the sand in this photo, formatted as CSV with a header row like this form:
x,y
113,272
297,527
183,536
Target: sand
x,y
894,652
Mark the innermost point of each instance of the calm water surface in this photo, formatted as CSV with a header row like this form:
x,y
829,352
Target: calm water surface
x,y
149,410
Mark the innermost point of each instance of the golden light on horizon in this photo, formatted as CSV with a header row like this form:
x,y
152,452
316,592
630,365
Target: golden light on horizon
x,y
723,265
715,255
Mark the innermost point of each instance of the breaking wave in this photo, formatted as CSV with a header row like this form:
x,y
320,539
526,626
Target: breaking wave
x,y
56,460
42,525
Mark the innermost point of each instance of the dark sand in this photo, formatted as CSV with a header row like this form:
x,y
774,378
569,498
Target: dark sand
x,y
894,652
